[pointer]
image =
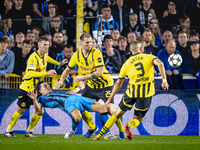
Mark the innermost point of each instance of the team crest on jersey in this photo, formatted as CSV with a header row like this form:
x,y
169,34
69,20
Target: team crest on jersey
x,y
90,14
23,104
99,59
71,107
111,26
32,66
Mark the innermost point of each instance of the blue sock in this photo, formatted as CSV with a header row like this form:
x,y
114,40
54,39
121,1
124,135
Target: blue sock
x,y
104,119
74,125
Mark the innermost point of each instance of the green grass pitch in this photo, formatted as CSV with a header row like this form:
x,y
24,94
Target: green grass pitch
x,y
139,142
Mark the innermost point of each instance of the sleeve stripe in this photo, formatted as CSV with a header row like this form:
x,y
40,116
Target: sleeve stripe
x,y
99,66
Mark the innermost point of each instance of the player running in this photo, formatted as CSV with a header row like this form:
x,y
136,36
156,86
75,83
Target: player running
x,y
74,104
139,69
35,71
99,82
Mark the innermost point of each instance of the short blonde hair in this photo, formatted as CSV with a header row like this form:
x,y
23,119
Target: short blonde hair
x,y
133,15
135,46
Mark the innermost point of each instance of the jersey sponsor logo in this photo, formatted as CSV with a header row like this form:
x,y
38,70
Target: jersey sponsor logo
x,y
99,60
20,96
108,94
32,66
87,69
23,104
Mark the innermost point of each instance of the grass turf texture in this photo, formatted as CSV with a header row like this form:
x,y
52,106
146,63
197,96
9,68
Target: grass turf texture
x,y
57,142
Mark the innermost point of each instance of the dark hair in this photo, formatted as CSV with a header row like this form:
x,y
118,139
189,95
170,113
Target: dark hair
x,y
38,87
85,35
42,38
183,18
67,46
105,6
29,32
26,41
194,34
56,17
122,38
4,39
181,32
173,1
108,36
57,32
56,7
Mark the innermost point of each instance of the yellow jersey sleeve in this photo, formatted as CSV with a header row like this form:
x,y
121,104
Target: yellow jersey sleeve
x,y
73,61
31,69
98,59
122,73
52,61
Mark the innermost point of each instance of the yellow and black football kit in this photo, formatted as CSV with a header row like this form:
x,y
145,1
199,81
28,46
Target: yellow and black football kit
x,y
139,69
101,86
35,72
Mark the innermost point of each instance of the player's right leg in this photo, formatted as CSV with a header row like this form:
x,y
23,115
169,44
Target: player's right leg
x,y
15,117
75,122
109,123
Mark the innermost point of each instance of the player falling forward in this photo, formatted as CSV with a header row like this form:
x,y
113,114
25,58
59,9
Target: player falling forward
x,y
74,104
139,69
99,82
35,71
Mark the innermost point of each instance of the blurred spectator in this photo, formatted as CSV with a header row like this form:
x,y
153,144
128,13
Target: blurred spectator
x,y
31,37
133,25
40,7
120,13
182,44
174,76
19,38
18,15
115,34
142,41
8,6
28,25
167,36
21,57
184,26
146,13
7,58
124,52
47,23
171,16
94,5
38,32
131,36
149,48
58,44
194,35
156,33
191,63
6,29
111,56
94,43
48,35
108,23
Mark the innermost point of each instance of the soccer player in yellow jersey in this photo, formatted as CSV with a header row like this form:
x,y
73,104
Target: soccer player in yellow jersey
x,y
99,82
35,71
139,69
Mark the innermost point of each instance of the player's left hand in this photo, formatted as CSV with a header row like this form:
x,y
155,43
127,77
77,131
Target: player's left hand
x,y
32,95
79,78
63,62
165,85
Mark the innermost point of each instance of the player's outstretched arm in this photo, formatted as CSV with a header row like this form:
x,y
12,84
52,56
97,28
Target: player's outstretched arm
x,y
161,68
116,88
76,90
63,77
96,74
33,96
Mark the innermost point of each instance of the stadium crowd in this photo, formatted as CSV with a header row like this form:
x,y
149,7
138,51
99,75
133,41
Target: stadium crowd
x,y
162,27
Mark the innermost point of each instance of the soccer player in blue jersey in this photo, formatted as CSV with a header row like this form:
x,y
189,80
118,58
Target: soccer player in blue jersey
x,y
74,104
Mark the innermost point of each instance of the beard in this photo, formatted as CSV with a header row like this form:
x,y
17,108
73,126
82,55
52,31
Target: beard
x,y
58,45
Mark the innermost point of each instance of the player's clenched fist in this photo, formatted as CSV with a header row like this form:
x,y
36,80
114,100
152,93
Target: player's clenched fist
x,y
59,84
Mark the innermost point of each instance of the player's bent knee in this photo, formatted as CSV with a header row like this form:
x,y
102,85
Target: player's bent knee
x,y
40,113
77,119
21,110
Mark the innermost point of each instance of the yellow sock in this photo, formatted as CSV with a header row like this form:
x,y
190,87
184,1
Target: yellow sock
x,y
88,120
119,124
107,126
35,119
134,123
13,121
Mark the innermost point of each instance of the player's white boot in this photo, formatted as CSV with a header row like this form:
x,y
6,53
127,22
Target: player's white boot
x,y
69,134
